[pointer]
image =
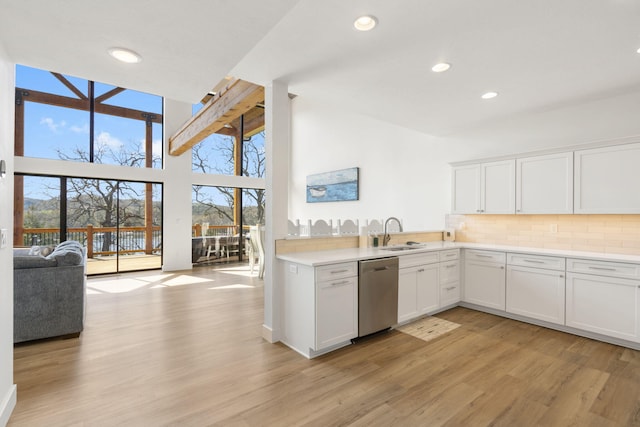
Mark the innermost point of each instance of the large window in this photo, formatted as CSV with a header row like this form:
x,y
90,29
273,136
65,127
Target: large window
x,y
237,150
66,118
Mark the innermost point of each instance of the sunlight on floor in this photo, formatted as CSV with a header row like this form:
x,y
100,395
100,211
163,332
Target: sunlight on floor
x,y
242,270
237,286
114,286
127,284
182,280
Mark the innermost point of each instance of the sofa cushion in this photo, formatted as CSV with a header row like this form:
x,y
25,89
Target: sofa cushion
x,y
32,261
66,256
41,250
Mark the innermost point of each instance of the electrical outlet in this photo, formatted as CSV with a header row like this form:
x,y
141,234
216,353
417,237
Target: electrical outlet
x,y
553,228
4,237
293,269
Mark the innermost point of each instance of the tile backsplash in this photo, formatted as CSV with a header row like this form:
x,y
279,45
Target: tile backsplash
x,y
618,234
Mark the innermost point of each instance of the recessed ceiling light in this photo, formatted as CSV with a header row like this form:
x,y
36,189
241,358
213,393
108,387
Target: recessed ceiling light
x,y
439,68
489,95
125,55
365,23
638,50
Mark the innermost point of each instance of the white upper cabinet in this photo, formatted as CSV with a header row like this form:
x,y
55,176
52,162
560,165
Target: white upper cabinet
x,y
466,189
606,180
544,184
487,188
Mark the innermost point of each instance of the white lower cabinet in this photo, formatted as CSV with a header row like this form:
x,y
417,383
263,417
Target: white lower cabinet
x,y
536,293
336,311
605,305
417,285
484,282
320,307
535,287
449,277
604,297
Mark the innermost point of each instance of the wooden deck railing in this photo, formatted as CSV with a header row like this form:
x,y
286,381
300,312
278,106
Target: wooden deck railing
x,y
100,240
129,239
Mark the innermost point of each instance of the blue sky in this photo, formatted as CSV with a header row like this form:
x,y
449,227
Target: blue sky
x,y
49,128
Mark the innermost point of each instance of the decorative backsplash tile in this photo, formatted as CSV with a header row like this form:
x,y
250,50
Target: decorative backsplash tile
x,y
592,233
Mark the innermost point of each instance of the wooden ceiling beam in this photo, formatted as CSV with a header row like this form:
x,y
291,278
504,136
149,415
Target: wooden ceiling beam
x,y
238,98
69,85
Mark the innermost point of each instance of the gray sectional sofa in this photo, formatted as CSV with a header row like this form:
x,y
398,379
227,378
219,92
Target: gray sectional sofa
x,y
48,292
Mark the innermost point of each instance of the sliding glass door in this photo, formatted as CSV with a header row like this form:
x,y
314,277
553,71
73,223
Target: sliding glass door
x,y
119,222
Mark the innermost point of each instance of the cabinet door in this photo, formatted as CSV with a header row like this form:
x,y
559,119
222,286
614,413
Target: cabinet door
x,y
605,305
449,293
498,187
544,184
407,293
606,180
466,189
336,311
427,277
484,284
536,293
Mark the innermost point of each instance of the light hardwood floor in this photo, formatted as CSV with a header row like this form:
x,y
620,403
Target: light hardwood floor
x,y
185,349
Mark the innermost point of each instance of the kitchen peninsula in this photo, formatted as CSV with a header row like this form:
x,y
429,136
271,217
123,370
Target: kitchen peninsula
x,y
591,294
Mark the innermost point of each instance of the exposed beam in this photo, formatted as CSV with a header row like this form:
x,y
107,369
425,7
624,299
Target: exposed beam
x,y
111,93
239,98
70,85
79,104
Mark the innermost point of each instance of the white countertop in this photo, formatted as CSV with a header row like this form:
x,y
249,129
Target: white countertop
x,y
318,258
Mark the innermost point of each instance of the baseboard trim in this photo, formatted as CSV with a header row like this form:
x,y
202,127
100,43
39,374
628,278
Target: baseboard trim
x,y
7,405
267,334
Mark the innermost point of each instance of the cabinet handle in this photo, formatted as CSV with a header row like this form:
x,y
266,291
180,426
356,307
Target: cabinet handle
x,y
602,268
534,261
339,271
453,287
502,267
421,270
450,255
450,266
483,256
562,275
344,282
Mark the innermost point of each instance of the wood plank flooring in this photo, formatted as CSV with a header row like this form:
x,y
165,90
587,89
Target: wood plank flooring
x,y
185,349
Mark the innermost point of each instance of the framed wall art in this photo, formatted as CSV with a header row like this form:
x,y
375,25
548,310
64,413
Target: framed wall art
x,y
334,186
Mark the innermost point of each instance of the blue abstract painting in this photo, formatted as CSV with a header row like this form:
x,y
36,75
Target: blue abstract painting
x,y
335,186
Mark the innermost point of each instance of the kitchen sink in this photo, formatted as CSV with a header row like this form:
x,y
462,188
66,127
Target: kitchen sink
x,y
400,248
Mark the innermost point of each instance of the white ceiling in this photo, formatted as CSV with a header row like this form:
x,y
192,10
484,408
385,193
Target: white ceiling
x,y
567,71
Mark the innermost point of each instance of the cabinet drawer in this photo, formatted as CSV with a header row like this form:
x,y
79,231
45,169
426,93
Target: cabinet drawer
x,y
418,259
604,268
449,271
536,261
449,254
449,294
336,271
485,256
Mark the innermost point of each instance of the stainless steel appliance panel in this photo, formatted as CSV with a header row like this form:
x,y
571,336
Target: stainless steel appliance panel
x,y
377,295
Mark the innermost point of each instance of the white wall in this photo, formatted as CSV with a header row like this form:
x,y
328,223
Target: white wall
x,y
403,173
176,232
7,91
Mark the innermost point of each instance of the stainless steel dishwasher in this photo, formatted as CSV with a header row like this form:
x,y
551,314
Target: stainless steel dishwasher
x,y
377,295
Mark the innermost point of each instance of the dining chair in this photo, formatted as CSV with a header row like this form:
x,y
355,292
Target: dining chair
x,y
348,228
293,228
321,228
232,246
375,226
257,249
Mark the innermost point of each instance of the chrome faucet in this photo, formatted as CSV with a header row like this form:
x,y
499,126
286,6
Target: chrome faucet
x,y
386,238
